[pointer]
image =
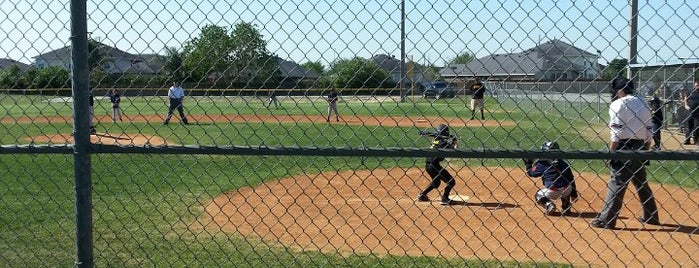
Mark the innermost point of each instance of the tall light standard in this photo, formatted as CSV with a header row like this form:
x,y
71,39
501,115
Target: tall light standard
x,y
403,91
597,68
633,38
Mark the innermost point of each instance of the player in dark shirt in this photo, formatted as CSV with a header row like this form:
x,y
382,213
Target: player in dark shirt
x,y
477,92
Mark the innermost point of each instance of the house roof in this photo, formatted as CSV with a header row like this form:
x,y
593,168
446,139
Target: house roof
x,y
294,70
559,47
6,63
64,53
386,62
154,61
527,62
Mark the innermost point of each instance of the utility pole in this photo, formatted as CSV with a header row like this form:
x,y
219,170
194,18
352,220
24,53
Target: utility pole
x,y
403,91
633,38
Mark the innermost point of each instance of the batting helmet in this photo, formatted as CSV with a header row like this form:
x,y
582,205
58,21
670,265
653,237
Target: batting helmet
x,y
442,130
622,83
549,145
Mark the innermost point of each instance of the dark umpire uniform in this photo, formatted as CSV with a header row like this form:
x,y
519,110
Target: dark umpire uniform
x,y
442,140
630,129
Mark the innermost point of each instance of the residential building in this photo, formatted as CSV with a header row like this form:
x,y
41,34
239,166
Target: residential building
x,y
554,60
293,73
119,62
392,65
7,63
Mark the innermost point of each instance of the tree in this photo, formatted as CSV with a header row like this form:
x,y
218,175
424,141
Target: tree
x,y
358,73
49,77
173,63
240,58
253,65
463,58
616,67
314,66
209,53
96,58
12,77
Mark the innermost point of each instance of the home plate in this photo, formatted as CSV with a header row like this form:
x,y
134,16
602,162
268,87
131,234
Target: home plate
x,y
460,198
421,120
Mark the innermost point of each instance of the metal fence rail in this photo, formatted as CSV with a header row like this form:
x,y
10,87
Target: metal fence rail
x,y
104,163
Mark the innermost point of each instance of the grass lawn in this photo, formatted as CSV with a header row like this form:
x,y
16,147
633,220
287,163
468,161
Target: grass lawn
x,y
145,206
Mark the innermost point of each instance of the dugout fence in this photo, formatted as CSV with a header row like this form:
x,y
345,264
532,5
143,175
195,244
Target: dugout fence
x,y
264,175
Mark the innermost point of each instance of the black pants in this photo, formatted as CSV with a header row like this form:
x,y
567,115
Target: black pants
x,y
176,104
656,134
622,172
438,175
692,129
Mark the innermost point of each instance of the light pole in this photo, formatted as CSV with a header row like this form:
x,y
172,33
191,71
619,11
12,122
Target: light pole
x,y
596,67
403,91
633,38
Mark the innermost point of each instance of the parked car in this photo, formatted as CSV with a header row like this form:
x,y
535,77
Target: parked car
x,y
439,90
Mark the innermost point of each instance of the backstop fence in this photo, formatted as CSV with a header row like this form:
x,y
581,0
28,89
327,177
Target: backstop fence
x,y
161,156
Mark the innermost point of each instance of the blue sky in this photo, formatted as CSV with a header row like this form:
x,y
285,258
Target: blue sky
x,y
325,30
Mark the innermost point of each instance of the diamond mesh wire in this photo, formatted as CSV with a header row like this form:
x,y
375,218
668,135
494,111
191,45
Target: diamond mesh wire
x,y
262,172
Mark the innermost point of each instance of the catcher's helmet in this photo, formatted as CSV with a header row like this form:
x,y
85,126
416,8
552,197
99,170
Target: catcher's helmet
x,y
549,145
442,130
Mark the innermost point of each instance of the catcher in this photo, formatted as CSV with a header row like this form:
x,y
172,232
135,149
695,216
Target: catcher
x,y
557,178
442,140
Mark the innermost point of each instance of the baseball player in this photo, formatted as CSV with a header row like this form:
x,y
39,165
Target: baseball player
x,y
557,178
442,140
478,90
332,104
91,107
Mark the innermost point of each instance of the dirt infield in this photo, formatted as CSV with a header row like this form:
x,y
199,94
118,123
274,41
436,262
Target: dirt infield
x,y
373,212
402,121
140,139
103,138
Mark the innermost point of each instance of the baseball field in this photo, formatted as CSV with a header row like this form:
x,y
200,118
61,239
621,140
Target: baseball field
x,y
269,211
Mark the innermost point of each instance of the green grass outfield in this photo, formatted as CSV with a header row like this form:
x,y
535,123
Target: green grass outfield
x,y
146,206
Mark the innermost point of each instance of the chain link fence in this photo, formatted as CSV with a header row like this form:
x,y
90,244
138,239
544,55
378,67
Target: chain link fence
x,y
302,129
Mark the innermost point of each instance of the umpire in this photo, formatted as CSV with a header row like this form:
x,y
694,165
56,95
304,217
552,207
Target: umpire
x,y
630,129
176,95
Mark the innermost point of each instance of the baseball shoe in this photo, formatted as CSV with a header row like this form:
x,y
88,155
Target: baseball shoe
x,y
422,198
566,206
446,202
651,221
600,224
550,208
